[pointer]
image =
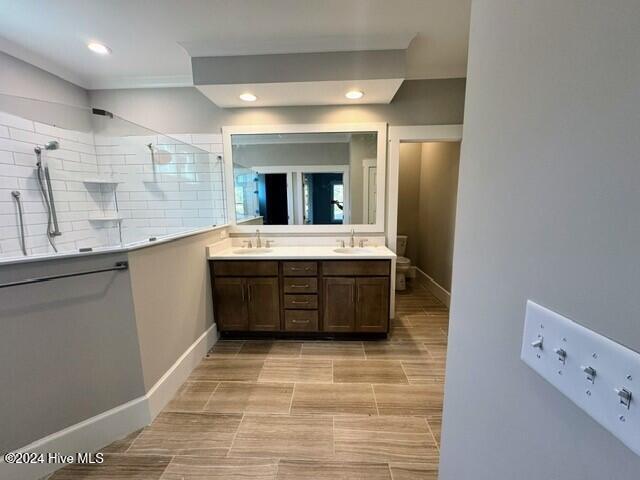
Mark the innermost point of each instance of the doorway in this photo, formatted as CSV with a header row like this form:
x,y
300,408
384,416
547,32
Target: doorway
x,y
273,198
427,196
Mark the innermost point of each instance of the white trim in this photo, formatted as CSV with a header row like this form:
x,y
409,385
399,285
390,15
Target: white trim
x,y
346,183
142,81
288,171
438,290
167,386
105,250
42,62
415,134
94,433
297,186
379,128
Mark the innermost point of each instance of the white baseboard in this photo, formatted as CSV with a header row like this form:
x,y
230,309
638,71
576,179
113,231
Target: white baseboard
x,y
167,386
438,290
92,434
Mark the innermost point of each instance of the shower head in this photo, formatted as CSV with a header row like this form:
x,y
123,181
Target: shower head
x,y
164,156
50,145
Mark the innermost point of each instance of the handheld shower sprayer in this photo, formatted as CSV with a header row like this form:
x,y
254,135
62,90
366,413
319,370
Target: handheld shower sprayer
x,y
42,174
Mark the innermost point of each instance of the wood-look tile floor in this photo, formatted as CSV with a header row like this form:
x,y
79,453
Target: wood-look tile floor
x,y
292,410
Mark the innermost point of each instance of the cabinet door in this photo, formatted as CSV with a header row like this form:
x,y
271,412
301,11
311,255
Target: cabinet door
x,y
264,304
339,304
372,304
230,304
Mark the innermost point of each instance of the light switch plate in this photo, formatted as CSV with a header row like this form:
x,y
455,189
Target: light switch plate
x,y
616,368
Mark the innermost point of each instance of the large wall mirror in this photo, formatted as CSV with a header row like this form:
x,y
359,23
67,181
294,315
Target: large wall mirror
x,y
306,177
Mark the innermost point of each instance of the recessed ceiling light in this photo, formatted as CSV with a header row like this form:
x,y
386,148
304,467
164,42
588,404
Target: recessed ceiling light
x,y
99,48
248,97
354,94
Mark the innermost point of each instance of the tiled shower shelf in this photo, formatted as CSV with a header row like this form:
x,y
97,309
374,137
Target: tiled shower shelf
x,y
101,181
106,218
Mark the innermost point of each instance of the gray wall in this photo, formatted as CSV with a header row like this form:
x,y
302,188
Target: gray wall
x,y
68,348
186,110
547,210
74,348
24,80
427,191
409,195
64,104
437,209
172,298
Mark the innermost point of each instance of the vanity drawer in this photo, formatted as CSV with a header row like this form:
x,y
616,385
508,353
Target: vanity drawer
x,y
356,267
299,269
244,268
301,320
302,302
300,285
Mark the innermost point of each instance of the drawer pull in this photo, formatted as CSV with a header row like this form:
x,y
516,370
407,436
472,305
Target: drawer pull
x,y
300,286
299,321
296,269
300,303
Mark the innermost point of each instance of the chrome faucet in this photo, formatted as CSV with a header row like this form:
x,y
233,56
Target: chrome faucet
x,y
258,240
352,239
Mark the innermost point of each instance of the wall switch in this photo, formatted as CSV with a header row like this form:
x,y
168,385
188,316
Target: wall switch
x,y
599,375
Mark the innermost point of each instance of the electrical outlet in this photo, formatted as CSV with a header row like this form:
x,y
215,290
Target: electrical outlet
x,y
599,375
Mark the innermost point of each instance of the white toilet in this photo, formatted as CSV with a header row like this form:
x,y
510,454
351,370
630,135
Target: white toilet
x,y
403,264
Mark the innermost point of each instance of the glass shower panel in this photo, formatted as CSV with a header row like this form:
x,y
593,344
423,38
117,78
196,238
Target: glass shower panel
x,y
74,178
165,184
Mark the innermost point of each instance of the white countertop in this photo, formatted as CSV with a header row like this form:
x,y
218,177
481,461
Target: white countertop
x,y
300,253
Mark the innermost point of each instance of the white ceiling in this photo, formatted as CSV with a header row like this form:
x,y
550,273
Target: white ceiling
x,y
302,93
149,38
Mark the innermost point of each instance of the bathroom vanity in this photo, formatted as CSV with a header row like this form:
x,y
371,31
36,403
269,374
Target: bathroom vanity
x,y
302,291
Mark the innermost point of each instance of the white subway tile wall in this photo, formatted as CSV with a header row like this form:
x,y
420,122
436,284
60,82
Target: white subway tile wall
x,y
184,190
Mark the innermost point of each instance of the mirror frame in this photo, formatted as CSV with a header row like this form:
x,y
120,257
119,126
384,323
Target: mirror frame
x,y
381,163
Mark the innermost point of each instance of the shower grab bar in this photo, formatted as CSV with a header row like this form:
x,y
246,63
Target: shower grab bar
x,y
23,245
27,281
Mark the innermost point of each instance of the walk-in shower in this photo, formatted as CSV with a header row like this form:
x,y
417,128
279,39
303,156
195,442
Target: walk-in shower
x,y
44,181
88,180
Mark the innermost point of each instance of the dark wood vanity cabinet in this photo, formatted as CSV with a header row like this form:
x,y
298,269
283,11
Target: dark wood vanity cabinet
x,y
231,305
246,296
339,304
323,297
372,304
356,304
263,300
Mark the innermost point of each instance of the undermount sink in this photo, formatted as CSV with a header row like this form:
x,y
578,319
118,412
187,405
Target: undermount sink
x,y
352,250
252,251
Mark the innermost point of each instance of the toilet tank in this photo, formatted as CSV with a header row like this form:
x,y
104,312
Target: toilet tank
x,y
401,245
